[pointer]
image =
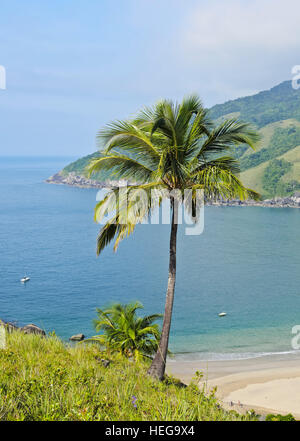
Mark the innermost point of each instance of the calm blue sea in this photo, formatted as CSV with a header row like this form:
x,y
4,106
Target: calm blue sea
x,y
247,263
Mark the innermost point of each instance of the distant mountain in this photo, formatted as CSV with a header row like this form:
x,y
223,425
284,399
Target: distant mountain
x,y
279,103
274,168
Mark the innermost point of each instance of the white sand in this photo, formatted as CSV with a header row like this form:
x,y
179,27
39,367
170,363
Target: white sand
x,y
266,384
281,395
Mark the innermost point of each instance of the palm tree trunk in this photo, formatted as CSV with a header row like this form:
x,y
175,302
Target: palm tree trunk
x,y
158,366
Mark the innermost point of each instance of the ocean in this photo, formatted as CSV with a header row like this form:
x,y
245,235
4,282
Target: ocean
x,y
246,262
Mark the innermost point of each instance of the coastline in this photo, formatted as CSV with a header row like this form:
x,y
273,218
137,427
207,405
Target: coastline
x,y
268,384
73,180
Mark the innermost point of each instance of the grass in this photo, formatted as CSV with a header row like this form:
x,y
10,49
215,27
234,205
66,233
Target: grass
x,y
42,379
253,177
267,132
294,157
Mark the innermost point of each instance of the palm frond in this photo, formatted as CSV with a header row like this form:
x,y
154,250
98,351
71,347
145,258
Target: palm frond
x,y
228,134
219,183
223,163
165,147
189,109
165,119
121,167
123,331
111,230
127,136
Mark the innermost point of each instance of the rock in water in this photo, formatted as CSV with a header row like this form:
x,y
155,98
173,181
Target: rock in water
x,y
77,337
32,329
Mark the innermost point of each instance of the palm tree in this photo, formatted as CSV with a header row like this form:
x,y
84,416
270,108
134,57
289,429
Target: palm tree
x,y
123,331
166,147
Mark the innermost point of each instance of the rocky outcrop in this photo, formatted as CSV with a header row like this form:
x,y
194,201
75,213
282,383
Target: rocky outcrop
x,y
10,327
28,329
77,337
74,180
277,202
32,329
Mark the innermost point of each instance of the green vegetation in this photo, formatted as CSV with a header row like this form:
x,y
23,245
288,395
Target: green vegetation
x,y
276,113
42,379
283,140
123,331
79,167
272,175
279,417
279,103
288,183
167,148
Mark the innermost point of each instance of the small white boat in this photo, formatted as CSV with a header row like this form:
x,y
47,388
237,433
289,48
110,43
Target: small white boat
x,y
222,314
25,279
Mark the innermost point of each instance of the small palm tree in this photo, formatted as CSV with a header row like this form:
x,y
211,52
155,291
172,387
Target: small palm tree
x,y
123,331
166,147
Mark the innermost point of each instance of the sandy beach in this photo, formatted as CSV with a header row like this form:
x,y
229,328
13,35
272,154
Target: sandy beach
x,y
266,384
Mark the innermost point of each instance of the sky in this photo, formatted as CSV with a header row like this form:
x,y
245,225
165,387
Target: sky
x,y
74,65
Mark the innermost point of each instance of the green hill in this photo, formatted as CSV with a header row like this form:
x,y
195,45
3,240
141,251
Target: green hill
x,y
79,167
279,103
274,168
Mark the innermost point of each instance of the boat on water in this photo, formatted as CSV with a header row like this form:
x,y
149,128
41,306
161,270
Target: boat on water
x,y
25,279
222,314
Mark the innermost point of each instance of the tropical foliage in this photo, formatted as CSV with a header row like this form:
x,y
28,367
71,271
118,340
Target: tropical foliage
x,y
123,331
165,148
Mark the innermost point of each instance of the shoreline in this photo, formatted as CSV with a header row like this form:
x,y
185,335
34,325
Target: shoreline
x,y
73,180
268,384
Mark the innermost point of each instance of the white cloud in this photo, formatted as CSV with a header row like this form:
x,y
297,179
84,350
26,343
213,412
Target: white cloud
x,y
239,47
231,25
